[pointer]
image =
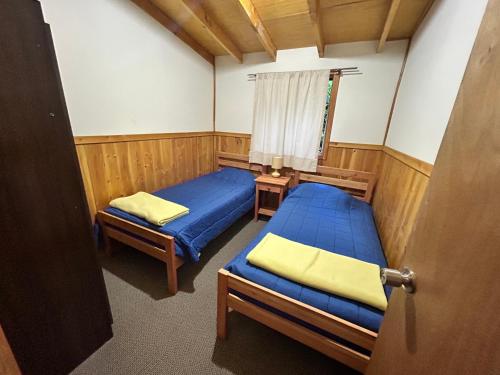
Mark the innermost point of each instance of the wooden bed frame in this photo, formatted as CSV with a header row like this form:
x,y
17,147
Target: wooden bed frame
x,y
358,183
151,242
230,286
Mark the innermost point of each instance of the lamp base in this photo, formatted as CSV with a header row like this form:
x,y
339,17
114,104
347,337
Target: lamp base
x,y
275,174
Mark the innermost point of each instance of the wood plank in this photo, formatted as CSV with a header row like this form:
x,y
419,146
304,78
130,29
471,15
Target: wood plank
x,y
297,332
314,13
268,179
233,164
393,104
256,22
230,134
220,35
98,139
146,248
357,146
8,364
87,181
289,24
358,156
316,317
345,172
334,181
398,196
222,309
129,165
388,24
266,211
229,155
176,29
139,230
238,144
419,165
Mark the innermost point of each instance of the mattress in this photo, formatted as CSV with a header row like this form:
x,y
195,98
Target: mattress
x,y
215,201
331,219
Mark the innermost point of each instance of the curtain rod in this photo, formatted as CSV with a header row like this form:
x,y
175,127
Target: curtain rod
x,y
350,71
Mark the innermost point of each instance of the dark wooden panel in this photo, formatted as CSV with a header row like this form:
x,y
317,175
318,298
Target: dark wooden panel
x,y
54,308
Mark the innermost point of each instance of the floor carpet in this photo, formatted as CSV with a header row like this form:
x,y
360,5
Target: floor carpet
x,y
155,333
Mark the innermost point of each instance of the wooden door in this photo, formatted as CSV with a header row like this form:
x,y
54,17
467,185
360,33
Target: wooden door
x,y
451,325
53,302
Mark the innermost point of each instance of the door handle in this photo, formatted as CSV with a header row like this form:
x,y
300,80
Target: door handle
x,y
395,278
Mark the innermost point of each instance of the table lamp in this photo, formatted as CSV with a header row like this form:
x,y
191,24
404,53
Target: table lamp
x,y
277,164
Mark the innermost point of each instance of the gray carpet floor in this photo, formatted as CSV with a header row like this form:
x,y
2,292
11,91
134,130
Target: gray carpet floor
x,y
155,333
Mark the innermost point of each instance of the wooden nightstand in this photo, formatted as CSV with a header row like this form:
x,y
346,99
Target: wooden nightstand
x,y
270,184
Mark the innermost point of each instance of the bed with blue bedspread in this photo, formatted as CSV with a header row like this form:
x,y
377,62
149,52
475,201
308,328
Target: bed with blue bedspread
x,y
328,218
215,201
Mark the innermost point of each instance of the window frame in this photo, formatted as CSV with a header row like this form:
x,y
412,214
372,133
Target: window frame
x,y
335,78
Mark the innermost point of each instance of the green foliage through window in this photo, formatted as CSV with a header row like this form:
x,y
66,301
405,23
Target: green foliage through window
x,y
325,116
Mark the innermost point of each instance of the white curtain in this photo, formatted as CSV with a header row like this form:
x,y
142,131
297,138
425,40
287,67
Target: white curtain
x,y
288,118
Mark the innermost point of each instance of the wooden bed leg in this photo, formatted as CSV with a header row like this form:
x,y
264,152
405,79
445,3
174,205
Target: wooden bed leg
x,y
107,241
222,309
171,266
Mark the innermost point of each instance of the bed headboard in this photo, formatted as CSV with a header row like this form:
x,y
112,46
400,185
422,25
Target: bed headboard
x,y
358,183
227,159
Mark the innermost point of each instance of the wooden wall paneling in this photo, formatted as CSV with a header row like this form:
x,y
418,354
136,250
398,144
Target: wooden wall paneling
x,y
410,161
397,199
205,154
123,165
233,142
354,157
114,169
97,139
363,157
87,181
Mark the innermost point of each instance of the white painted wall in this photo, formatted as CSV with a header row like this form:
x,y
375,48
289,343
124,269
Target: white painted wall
x,y
436,64
123,73
363,103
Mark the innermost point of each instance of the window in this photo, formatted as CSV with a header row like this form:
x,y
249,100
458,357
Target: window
x,y
331,98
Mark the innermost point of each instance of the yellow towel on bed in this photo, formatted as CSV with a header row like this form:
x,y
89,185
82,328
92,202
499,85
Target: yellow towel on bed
x,y
153,209
320,269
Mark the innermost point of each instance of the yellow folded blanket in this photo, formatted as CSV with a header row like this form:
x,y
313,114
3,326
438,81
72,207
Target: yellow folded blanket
x,y
320,269
155,210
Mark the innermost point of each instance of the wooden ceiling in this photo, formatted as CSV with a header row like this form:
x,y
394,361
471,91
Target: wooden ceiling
x,y
234,27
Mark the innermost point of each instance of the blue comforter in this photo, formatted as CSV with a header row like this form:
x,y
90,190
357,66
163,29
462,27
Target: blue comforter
x,y
328,218
215,201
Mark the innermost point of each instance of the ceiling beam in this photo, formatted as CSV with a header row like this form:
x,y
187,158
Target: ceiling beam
x,y
260,29
388,24
176,29
197,11
314,10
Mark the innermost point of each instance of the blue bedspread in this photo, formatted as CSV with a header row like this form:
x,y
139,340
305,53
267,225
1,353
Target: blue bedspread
x,y
215,201
326,217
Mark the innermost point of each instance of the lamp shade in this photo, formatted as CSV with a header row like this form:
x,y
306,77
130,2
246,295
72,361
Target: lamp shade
x,y
277,162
